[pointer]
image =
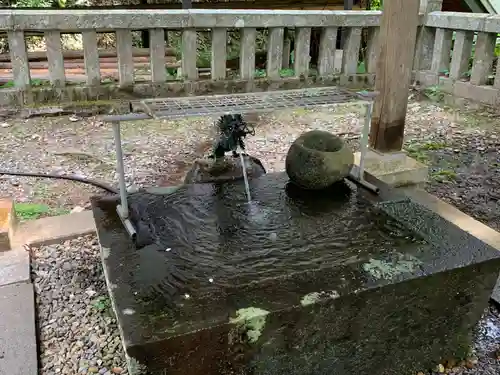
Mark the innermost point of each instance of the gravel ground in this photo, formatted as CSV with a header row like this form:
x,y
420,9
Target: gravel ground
x,y
78,333
461,147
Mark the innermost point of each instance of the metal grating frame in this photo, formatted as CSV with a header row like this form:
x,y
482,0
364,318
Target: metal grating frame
x,y
216,105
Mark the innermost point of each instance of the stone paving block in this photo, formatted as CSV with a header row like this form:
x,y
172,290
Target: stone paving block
x,y
394,169
18,350
14,266
57,229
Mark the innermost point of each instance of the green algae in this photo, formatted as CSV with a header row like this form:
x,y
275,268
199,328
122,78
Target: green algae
x,y
252,320
314,297
135,367
381,269
106,252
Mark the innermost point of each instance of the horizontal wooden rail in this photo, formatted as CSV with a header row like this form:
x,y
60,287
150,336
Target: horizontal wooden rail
x,y
71,20
464,21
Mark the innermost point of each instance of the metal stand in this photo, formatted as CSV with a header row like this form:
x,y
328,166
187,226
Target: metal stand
x,y
217,105
122,208
360,176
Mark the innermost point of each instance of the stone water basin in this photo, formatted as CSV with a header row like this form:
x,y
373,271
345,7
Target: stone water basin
x,y
337,282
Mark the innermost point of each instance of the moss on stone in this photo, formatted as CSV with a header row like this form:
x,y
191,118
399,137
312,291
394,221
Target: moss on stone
x,y
252,320
381,269
314,297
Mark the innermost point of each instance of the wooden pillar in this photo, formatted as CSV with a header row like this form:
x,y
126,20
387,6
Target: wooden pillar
x,y
398,33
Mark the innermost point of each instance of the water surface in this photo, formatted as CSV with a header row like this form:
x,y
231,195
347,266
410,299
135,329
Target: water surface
x,y
205,235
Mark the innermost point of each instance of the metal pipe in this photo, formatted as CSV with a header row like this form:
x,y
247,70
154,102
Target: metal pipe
x,y
126,117
126,223
359,177
364,139
120,170
363,183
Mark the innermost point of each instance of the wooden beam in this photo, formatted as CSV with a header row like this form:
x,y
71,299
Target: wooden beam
x,y
398,31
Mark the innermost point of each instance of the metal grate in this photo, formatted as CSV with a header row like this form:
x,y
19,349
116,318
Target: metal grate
x,y
216,105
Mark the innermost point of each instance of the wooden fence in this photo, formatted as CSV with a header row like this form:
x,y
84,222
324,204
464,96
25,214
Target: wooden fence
x,y
455,52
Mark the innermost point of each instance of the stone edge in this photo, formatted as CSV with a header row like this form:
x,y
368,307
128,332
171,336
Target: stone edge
x,y
30,233
465,222
414,173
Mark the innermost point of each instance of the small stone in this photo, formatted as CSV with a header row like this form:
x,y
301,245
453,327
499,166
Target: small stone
x,y
5,125
451,363
471,362
420,373
440,368
74,118
116,370
93,370
77,209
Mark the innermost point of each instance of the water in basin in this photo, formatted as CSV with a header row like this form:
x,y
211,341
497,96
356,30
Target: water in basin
x,y
205,236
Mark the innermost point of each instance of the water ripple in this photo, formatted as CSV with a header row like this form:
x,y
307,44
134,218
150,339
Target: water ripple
x,y
212,232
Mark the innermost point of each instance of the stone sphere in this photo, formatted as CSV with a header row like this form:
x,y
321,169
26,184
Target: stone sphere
x,y
318,159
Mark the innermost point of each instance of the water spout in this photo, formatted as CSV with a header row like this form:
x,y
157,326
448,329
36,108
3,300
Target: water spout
x,y
245,177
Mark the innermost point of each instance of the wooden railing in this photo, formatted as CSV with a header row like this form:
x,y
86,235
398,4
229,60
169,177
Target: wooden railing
x,y
462,57
329,70
456,52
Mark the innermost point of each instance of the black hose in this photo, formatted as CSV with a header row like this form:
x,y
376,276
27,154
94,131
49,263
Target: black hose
x,y
98,184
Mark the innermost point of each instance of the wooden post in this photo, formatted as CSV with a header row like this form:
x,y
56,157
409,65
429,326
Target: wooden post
x,y
398,33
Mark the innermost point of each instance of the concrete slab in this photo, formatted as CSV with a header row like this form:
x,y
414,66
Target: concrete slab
x,y
395,169
51,230
460,219
14,266
18,350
